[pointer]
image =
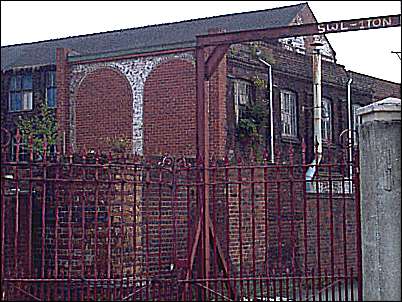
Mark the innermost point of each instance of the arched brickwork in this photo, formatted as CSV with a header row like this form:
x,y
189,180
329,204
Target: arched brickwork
x,y
103,109
169,109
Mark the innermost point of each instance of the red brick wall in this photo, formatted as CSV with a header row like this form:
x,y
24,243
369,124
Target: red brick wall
x,y
380,89
103,109
169,109
62,83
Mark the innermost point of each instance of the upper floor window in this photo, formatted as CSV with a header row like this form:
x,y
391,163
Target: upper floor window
x,y
326,120
20,93
242,92
288,113
51,89
356,122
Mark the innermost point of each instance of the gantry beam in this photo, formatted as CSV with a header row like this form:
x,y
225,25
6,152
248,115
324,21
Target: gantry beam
x,y
220,43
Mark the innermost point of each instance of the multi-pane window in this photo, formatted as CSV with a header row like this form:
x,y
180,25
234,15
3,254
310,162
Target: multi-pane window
x,y
326,120
20,93
242,96
288,113
356,122
51,89
23,150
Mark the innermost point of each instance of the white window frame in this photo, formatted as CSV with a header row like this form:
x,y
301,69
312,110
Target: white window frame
x,y
23,150
26,94
241,96
289,114
49,86
326,120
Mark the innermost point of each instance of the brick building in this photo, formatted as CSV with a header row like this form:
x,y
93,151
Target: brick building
x,y
140,84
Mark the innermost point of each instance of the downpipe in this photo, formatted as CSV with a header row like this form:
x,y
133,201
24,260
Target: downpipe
x,y
350,146
312,169
271,117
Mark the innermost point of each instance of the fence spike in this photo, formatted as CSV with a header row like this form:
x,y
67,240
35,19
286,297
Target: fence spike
x,y
291,153
303,146
238,160
30,144
70,158
266,155
44,148
213,160
226,159
278,154
17,145
252,156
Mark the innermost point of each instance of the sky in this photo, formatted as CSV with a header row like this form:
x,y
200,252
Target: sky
x,y
367,52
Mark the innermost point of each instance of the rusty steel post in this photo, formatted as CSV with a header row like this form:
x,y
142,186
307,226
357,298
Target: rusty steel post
x,y
203,152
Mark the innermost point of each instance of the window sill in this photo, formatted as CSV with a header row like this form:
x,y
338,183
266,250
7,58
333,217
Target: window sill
x,y
20,111
290,139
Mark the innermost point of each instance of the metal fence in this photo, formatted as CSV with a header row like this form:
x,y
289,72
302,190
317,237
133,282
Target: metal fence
x,y
100,227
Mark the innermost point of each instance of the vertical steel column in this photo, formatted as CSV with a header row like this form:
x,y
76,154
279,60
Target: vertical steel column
x,y
203,150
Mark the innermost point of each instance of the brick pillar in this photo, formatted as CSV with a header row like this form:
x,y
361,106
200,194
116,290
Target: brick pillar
x,y
62,112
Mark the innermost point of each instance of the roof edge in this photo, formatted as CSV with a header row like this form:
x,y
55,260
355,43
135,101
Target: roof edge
x,y
153,25
366,75
186,46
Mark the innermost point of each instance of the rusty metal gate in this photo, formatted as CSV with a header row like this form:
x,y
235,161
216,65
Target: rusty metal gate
x,y
97,227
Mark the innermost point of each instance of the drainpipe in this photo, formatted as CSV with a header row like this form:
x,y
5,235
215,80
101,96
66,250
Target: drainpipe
x,y
350,129
271,114
317,109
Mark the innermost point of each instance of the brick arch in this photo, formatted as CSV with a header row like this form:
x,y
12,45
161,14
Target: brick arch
x,y
169,109
103,108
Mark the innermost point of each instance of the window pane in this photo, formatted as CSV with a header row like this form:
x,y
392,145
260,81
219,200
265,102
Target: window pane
x,y
51,97
27,101
289,113
16,100
18,83
12,101
27,82
326,119
51,79
13,83
241,97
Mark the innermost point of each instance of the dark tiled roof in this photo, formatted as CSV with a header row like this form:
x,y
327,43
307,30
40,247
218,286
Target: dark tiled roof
x,y
156,36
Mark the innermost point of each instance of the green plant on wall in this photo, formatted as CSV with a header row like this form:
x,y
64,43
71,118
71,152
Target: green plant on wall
x,y
253,120
118,144
41,126
259,83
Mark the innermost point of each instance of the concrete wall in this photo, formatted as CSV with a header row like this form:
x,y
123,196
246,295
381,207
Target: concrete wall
x,y
380,164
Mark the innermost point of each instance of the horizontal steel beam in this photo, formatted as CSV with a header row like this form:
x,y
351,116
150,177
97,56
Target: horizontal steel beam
x,y
299,30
